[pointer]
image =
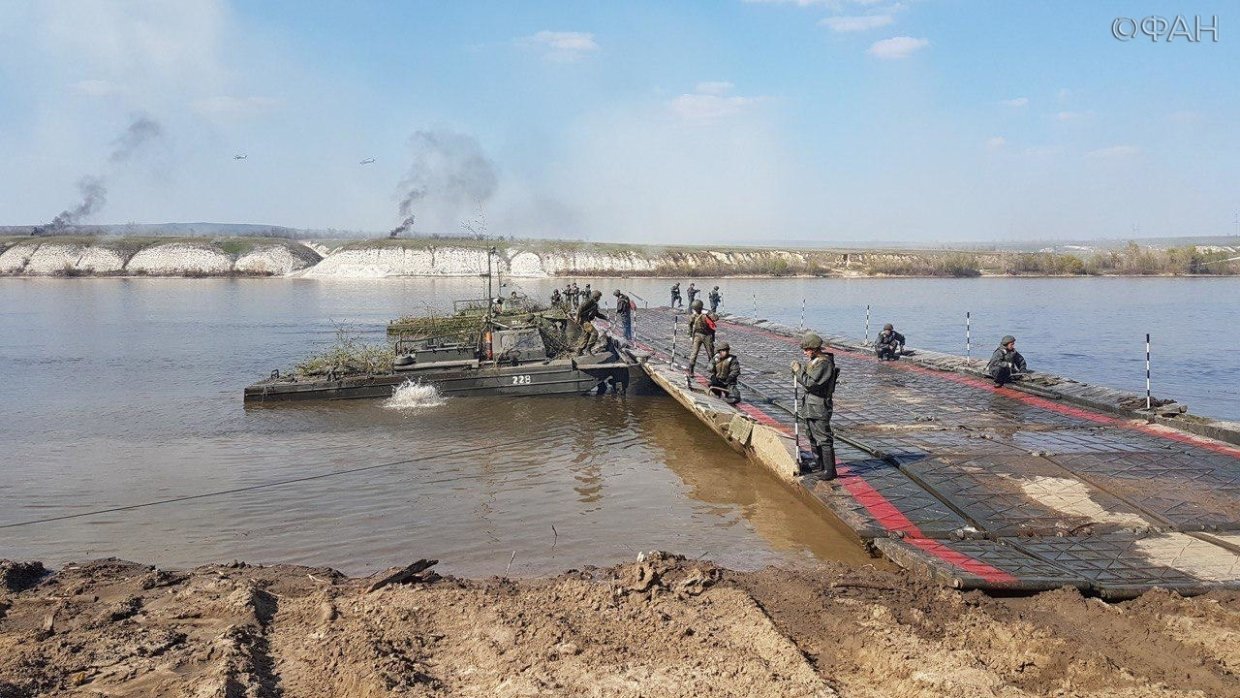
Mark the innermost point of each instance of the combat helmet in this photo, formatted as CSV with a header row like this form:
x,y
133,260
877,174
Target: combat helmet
x,y
696,305
889,327
722,346
596,295
811,341
616,293
1007,339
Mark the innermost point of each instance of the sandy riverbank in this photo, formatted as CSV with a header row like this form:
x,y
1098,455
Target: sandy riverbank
x,y
659,627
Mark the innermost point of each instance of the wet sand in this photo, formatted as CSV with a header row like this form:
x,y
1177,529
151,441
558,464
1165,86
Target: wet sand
x,y
657,627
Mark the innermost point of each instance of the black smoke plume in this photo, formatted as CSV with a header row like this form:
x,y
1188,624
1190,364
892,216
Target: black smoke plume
x,y
94,196
449,172
94,190
140,131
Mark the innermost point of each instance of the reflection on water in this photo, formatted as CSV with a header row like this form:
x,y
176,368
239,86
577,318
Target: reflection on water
x,y
136,397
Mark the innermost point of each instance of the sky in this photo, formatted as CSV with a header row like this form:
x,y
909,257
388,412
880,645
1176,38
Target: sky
x,y
927,121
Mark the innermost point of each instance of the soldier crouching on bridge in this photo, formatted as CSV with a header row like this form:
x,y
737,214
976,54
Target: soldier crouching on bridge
x,y
1006,362
725,376
817,379
889,344
586,315
702,328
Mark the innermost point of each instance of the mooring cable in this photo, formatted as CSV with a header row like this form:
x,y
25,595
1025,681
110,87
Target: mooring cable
x,y
265,485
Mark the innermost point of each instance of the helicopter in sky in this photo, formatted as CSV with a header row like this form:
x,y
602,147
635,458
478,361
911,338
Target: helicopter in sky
x,y
240,157
367,161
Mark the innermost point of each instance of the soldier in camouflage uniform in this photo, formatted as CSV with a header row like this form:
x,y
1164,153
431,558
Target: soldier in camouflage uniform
x,y
725,376
817,379
702,329
586,314
715,299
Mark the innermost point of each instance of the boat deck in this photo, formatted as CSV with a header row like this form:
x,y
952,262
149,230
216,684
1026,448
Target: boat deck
x,y
981,487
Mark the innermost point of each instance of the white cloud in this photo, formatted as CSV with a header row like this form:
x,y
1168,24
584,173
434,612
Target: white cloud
x,y
857,23
1016,102
995,143
1115,151
562,47
897,47
714,88
700,107
226,105
837,4
97,88
710,101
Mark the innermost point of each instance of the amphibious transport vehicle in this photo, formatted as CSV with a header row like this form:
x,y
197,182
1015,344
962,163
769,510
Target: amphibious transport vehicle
x,y
504,350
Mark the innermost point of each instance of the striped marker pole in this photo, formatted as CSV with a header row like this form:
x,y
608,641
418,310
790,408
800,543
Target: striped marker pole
x,y
1149,400
675,323
802,325
867,324
968,335
755,306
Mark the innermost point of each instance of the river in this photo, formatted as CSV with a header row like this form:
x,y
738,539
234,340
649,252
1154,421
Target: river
x,y
120,392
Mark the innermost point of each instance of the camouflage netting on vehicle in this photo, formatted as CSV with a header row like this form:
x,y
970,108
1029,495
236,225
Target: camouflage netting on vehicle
x,y
348,356
458,328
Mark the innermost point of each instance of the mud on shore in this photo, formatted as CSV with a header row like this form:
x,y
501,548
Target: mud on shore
x,y
661,626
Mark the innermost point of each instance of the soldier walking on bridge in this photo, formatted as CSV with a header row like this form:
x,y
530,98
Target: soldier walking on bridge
x,y
715,299
676,300
556,298
692,291
817,379
702,327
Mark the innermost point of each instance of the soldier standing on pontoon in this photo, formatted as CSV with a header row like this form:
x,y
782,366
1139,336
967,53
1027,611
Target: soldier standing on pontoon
x,y
817,379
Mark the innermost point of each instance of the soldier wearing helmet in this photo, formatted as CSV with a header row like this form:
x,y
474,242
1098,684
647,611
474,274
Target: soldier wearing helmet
x,y
889,344
676,300
702,328
817,378
586,314
1006,362
725,375
715,299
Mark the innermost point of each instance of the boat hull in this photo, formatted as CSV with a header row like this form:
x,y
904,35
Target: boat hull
x,y
556,378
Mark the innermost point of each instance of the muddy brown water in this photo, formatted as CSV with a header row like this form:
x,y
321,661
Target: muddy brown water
x,y
123,392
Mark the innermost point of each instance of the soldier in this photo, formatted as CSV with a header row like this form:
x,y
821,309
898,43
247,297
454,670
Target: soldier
x,y
567,298
702,328
624,309
715,299
889,344
725,376
586,314
1006,362
556,298
817,379
676,301
575,295
587,292
692,291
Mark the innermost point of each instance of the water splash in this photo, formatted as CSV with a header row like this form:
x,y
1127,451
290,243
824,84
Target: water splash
x,y
414,395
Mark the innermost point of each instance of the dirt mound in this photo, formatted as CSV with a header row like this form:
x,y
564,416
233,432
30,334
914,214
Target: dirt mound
x,y
661,626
